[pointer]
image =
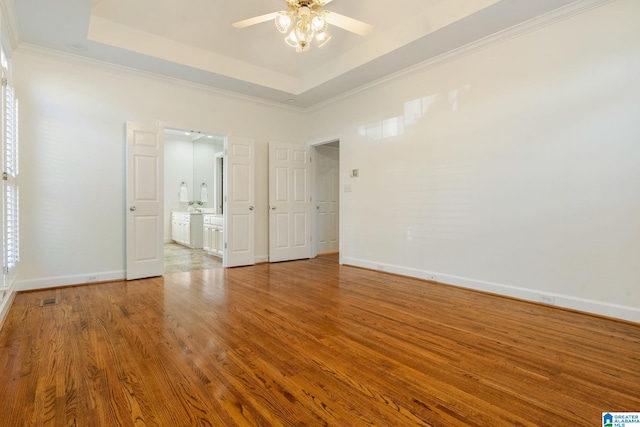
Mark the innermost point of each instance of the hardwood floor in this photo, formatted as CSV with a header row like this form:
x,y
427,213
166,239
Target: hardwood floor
x,y
307,343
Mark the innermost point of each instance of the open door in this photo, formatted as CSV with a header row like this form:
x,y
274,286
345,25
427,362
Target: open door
x,y
327,199
144,208
239,202
289,202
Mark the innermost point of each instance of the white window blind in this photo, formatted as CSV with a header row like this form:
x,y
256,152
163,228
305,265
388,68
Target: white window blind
x,y
10,189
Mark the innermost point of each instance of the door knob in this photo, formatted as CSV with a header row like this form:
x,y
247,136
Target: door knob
x,y
250,208
273,208
132,208
317,207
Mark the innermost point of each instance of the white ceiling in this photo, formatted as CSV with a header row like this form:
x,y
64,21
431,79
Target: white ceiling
x,y
193,40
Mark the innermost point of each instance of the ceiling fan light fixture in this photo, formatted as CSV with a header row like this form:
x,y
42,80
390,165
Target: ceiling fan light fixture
x,y
305,21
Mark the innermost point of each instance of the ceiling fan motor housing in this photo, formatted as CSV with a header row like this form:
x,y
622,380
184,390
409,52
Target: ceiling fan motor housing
x,y
298,4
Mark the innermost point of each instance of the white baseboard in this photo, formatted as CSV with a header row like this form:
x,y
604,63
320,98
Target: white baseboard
x,y
54,282
78,279
565,301
5,306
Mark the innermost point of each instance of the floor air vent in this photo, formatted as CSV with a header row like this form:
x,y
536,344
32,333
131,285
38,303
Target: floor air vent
x,y
48,301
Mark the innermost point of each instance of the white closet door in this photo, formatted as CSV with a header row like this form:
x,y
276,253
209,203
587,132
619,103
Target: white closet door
x,y
327,199
289,202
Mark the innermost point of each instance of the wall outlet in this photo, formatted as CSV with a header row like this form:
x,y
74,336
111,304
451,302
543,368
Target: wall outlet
x,y
547,299
91,279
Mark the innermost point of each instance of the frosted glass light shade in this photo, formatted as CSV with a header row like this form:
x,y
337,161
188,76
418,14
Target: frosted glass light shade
x,y
322,39
283,22
303,32
318,24
291,39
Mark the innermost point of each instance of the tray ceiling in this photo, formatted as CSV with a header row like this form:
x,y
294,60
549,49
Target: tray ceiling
x,y
193,40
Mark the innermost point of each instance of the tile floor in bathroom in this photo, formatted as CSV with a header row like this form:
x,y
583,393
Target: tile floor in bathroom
x,y
178,258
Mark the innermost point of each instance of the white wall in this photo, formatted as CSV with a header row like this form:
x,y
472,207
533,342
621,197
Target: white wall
x,y
515,169
72,135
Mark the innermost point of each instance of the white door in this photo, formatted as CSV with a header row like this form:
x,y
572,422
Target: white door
x,y
289,202
239,202
327,166
144,208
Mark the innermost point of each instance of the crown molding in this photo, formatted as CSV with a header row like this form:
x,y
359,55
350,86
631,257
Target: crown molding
x,y
516,31
10,21
34,50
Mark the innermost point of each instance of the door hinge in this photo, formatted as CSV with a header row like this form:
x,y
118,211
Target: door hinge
x,y
5,82
225,245
5,176
5,270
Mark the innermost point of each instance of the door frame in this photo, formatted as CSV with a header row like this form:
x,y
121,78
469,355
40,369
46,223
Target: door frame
x,y
314,161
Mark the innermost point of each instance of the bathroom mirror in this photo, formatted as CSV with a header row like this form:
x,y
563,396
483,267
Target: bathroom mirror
x,y
191,160
206,151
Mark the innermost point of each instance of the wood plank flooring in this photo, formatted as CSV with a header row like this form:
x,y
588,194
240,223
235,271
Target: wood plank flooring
x,y
307,343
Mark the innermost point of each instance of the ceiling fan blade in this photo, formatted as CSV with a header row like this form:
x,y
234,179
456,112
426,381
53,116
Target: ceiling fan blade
x,y
346,23
255,20
324,2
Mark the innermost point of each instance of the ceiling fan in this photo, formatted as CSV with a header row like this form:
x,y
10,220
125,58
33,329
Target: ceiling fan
x,y
304,21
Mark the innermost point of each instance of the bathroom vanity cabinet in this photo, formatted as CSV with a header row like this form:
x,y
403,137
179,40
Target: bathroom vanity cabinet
x,y
213,235
187,228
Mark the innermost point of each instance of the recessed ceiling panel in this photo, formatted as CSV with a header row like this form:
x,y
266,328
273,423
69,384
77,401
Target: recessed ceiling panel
x,y
193,40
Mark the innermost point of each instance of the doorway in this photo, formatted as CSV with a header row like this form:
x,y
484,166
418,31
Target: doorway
x,y
149,197
192,199
326,196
